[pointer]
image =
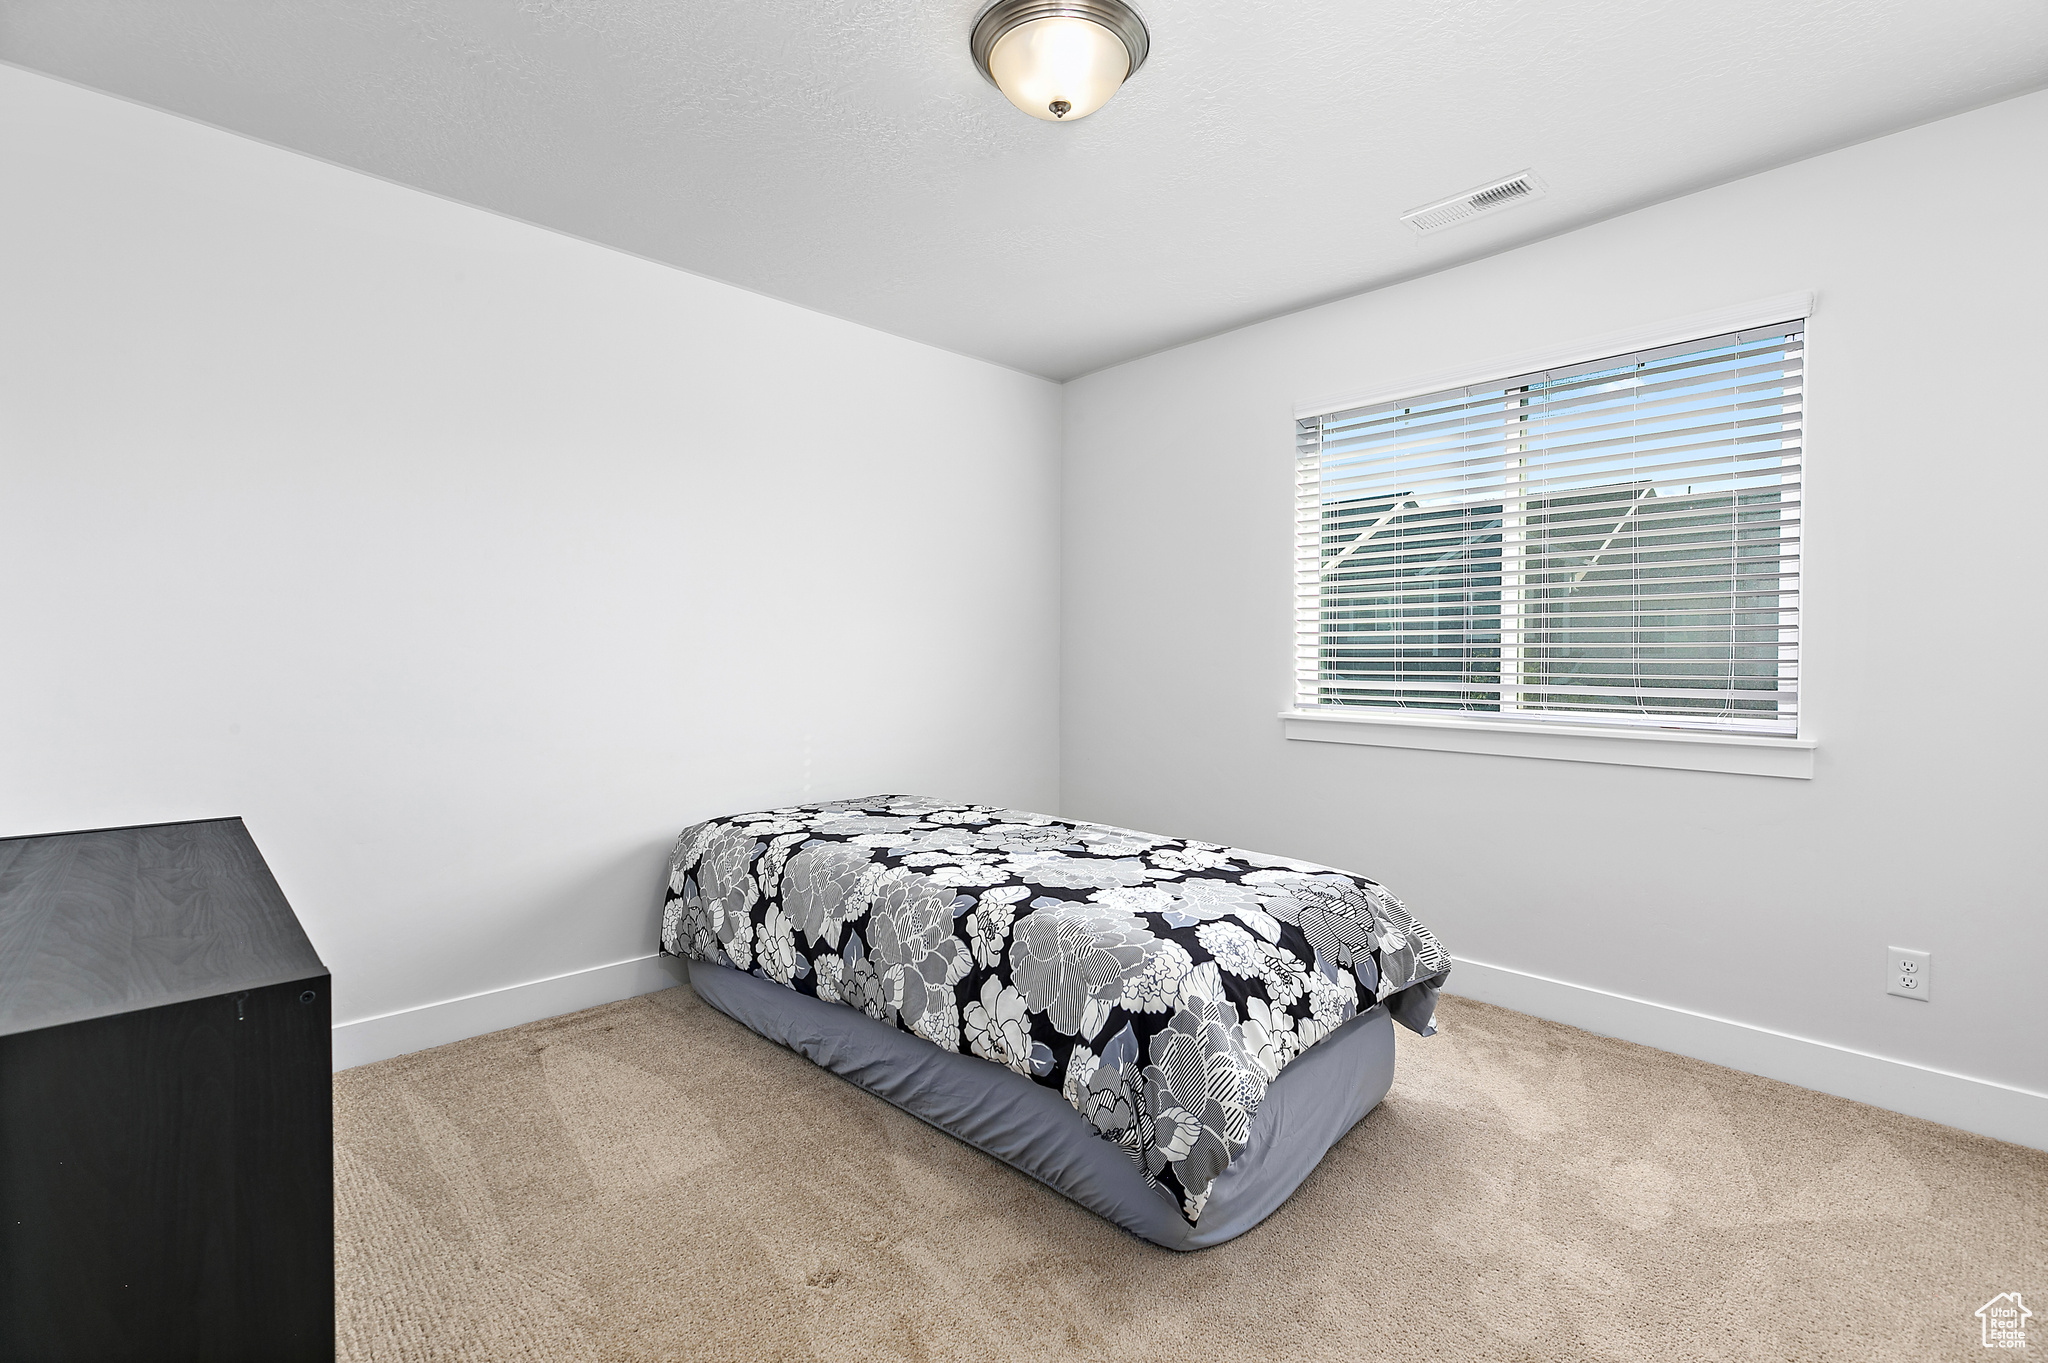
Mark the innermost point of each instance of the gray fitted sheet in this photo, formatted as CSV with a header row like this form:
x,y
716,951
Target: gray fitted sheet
x,y
1316,1099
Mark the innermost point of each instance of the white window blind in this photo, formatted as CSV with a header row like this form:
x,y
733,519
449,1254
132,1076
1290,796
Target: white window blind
x,y
1615,542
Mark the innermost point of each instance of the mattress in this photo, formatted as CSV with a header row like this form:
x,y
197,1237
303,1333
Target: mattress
x,y
1170,1032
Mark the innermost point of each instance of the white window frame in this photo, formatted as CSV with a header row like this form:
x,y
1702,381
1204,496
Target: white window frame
x,y
1681,749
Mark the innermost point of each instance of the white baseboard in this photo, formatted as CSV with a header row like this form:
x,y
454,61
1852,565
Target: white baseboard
x,y
437,1024
1979,1105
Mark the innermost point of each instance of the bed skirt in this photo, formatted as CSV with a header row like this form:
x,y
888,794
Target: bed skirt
x,y
1308,1109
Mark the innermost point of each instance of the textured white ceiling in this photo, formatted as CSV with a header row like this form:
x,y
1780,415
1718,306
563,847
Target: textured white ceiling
x,y
845,155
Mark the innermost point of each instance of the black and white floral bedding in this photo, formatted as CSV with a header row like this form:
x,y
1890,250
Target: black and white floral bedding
x,y
1160,984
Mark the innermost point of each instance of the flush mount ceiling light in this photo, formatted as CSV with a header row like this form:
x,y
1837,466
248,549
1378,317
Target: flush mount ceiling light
x,y
1059,60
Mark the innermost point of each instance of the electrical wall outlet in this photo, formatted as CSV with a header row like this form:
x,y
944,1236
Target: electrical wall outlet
x,y
1909,973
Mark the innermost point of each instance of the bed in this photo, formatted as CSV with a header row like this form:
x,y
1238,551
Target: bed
x,y
1172,1033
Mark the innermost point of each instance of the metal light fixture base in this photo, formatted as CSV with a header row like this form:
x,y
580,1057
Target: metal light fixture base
x,y
1114,15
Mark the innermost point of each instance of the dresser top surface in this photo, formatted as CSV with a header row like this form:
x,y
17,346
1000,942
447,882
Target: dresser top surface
x,y
116,919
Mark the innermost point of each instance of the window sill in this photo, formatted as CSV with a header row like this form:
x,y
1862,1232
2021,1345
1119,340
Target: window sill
x,y
1740,754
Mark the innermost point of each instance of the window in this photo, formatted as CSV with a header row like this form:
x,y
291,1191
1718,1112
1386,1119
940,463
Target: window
x,y
1610,543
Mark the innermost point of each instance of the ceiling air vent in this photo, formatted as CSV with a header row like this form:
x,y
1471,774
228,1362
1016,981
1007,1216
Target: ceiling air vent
x,y
1489,198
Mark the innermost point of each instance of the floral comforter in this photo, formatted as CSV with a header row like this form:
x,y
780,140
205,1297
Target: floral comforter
x,y
1160,984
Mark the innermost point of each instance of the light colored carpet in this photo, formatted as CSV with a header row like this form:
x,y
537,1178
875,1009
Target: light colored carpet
x,y
649,1180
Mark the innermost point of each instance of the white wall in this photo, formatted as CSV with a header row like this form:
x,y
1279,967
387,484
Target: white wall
x,y
1759,901
467,561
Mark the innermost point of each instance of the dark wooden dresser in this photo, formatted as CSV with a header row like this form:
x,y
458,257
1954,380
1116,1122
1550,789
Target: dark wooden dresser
x,y
166,1102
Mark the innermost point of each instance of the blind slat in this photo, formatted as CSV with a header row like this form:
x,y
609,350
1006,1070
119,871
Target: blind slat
x,y
1600,469
1348,584
1546,425
1593,695
1729,348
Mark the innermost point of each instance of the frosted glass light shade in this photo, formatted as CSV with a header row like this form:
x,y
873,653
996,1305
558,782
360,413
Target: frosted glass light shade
x,y
1060,68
